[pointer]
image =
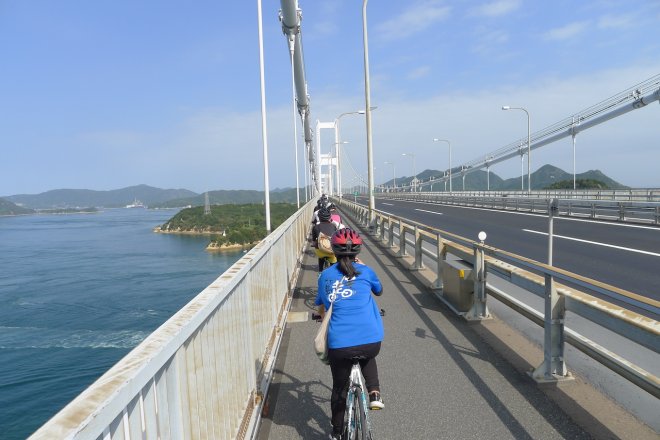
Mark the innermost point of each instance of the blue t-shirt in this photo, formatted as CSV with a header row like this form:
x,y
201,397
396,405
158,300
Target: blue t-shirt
x,y
355,316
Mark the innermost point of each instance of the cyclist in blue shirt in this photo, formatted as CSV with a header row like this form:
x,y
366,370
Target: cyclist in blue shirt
x,y
355,328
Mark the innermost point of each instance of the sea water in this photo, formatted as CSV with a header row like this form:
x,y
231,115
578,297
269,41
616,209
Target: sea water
x,y
77,293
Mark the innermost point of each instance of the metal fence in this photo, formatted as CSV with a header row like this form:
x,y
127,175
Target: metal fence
x,y
204,372
630,315
621,195
603,208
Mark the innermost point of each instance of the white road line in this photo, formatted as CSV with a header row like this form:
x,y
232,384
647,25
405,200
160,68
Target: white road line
x,y
388,204
596,243
424,210
573,219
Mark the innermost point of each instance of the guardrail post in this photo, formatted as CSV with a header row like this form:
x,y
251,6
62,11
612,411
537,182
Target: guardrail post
x,y
402,239
479,310
593,210
622,212
441,257
418,250
553,367
382,227
657,215
390,238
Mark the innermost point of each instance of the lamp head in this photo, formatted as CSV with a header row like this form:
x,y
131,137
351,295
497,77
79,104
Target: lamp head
x,y
506,107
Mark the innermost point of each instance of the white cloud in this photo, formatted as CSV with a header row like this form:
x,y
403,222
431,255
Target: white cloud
x,y
325,28
487,40
566,32
623,21
495,9
414,20
419,72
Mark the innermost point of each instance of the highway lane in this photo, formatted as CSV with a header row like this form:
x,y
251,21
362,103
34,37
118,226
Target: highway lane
x,y
626,256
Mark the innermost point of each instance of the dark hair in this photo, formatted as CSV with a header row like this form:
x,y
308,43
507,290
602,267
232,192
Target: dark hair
x,y
324,215
345,265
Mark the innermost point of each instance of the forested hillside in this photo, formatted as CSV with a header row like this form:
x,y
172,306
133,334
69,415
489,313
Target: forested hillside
x,y
9,208
239,224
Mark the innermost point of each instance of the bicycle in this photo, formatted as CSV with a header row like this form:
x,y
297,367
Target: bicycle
x,y
356,418
326,263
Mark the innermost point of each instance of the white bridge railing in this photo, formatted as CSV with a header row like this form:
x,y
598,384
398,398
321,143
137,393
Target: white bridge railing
x,y
204,372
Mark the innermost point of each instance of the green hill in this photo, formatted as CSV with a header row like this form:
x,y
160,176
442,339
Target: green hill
x,y
547,175
579,184
542,178
239,224
118,198
148,195
9,208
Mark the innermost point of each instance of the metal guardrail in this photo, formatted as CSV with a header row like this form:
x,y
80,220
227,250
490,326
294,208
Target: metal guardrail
x,y
619,211
204,372
541,280
619,195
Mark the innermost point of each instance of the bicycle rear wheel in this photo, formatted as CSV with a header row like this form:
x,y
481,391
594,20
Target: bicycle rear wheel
x,y
356,424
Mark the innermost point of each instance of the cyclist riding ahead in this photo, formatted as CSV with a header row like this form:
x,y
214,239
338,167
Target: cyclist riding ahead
x,y
326,227
356,328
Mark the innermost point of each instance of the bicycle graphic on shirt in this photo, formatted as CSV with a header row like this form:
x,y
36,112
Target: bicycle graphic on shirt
x,y
339,291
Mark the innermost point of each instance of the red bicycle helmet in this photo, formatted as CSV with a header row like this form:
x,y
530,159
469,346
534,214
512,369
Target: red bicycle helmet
x,y
346,241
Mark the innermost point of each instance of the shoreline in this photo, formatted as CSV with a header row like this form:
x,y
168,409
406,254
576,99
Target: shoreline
x,y
213,247
158,230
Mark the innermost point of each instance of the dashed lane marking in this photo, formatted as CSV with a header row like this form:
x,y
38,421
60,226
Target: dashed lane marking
x,y
639,251
431,212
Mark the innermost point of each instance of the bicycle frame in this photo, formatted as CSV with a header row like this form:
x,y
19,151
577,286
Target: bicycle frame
x,y
356,383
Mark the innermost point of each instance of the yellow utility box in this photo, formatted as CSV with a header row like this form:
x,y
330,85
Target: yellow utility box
x,y
458,286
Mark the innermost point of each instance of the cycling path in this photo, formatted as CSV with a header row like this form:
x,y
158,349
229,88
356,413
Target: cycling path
x,y
440,376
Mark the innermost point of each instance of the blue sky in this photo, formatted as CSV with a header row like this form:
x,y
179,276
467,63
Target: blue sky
x,y
104,95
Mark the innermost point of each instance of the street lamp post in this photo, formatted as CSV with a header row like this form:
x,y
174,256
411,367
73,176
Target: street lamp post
x,y
522,168
338,168
529,145
448,143
337,142
414,179
393,172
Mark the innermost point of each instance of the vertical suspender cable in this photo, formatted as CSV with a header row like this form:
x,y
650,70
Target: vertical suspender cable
x,y
264,132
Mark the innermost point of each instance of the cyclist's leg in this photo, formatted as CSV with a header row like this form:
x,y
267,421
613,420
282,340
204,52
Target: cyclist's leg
x,y
369,369
340,366
369,366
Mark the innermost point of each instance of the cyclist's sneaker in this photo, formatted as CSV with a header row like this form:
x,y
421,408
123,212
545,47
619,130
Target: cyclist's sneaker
x,y
335,436
375,401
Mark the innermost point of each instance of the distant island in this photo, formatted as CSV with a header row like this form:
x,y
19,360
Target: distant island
x,y
230,227
157,198
8,208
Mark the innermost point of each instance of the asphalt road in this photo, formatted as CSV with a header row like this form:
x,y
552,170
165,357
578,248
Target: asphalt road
x,y
623,255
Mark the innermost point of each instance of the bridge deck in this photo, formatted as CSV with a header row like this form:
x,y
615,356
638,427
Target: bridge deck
x,y
440,378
